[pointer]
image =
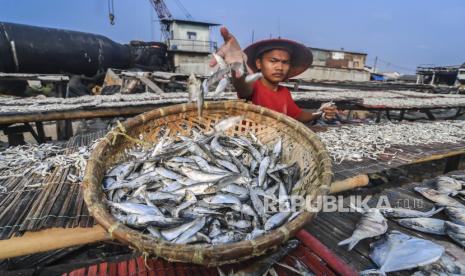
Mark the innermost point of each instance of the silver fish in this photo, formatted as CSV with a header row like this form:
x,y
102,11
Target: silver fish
x,y
198,189
227,237
456,215
447,185
456,232
134,208
276,153
154,232
222,85
408,213
228,165
220,61
371,224
173,233
441,199
200,100
253,77
277,220
452,262
217,147
121,171
399,252
255,234
145,220
223,199
426,225
191,231
228,123
167,173
193,87
264,165
190,200
201,176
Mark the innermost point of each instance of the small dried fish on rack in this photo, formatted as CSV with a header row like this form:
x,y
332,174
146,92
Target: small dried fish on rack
x,y
208,188
355,143
41,159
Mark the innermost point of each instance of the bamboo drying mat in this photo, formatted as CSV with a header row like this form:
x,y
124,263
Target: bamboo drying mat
x,y
59,203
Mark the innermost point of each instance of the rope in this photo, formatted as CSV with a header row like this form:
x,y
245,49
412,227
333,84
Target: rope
x,y
120,130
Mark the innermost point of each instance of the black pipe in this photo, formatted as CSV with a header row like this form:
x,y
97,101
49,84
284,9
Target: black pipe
x,y
31,49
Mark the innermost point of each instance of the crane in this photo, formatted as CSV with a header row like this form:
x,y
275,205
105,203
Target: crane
x,y
162,12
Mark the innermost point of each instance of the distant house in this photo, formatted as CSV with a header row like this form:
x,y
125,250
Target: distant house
x,y
336,65
190,44
338,59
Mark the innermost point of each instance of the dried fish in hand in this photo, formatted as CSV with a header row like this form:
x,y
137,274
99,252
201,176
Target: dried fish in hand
x,y
399,251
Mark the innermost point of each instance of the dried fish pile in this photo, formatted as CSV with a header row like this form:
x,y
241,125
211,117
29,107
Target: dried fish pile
x,y
34,198
13,105
39,159
208,188
406,102
355,143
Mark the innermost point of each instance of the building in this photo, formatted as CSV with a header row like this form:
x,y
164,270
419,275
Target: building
x,y
190,44
437,75
336,65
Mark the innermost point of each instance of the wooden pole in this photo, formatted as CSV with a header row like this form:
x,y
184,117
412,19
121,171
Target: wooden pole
x,y
349,183
50,239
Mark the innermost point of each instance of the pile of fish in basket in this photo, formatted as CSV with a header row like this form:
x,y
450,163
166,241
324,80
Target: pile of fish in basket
x,y
209,190
398,251
205,188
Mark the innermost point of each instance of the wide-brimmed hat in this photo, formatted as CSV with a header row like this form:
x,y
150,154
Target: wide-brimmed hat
x,y
301,56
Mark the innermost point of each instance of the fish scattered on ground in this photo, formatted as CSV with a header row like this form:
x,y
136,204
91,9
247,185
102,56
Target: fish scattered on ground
x,y
439,198
203,188
456,215
456,232
371,224
408,213
426,225
452,262
448,185
399,251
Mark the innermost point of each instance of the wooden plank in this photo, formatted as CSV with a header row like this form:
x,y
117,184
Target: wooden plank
x,y
150,84
50,239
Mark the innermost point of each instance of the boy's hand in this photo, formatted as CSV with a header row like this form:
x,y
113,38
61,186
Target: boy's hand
x,y
230,51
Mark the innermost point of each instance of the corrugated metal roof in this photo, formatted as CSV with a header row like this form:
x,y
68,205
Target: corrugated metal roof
x,y
340,51
192,22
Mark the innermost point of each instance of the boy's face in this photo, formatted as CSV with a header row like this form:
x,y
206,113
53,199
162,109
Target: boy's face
x,y
274,65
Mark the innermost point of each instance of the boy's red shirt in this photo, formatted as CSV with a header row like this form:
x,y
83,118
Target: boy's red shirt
x,y
280,100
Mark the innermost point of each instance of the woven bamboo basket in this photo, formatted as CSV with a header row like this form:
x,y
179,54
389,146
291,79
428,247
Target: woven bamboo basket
x,y
299,144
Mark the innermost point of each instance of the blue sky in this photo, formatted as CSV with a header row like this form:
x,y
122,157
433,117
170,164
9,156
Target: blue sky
x,y
401,33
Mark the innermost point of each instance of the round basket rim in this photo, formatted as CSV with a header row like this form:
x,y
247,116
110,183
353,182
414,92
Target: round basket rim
x,y
93,195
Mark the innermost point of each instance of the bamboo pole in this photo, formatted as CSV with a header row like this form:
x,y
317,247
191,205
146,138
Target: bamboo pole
x,y
50,239
349,183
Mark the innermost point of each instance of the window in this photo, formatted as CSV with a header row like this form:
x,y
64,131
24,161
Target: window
x,y
192,35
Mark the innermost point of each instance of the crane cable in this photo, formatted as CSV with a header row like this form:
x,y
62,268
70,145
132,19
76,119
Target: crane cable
x,y
181,6
111,12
